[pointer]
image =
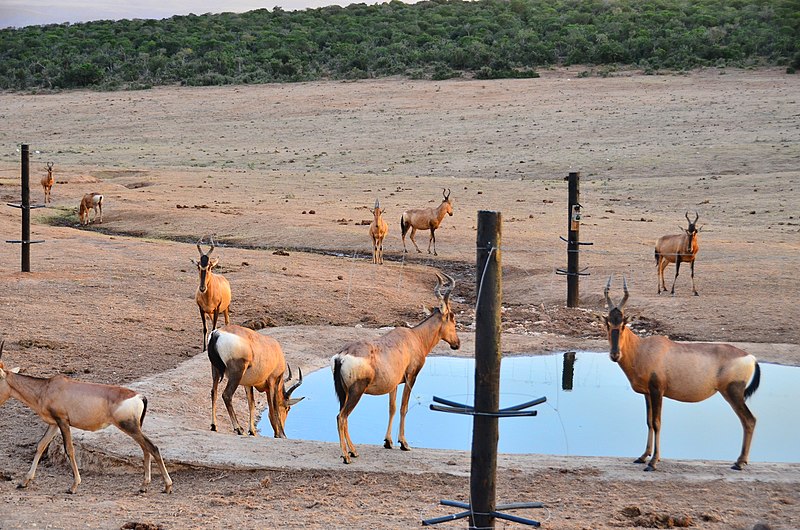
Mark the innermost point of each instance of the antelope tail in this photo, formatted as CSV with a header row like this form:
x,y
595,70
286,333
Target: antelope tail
x,y
751,389
341,393
213,353
403,225
144,411
657,256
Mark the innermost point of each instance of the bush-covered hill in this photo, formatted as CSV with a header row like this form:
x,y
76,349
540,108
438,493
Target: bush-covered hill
x,y
432,39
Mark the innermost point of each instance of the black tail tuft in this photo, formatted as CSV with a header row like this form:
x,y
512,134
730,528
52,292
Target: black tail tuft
x,y
657,257
337,381
403,225
213,353
750,390
144,411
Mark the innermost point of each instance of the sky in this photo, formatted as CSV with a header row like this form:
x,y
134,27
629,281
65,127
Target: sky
x,y
20,13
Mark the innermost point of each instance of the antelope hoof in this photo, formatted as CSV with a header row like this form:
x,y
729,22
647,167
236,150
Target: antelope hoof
x,y
251,433
387,444
167,488
404,446
640,460
142,489
696,293
739,466
239,431
213,427
650,467
345,459
22,486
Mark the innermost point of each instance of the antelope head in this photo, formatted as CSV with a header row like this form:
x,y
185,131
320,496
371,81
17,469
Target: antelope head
x,y
49,168
288,400
692,231
205,264
616,319
446,200
444,286
377,211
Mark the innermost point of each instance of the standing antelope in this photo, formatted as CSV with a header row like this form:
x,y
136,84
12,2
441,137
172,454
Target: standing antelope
x,y
690,372
677,248
64,403
88,202
425,219
213,295
379,366
47,182
251,360
377,231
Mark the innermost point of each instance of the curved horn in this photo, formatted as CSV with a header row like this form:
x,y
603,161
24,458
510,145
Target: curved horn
x,y
696,217
686,215
625,290
200,250
377,203
49,165
212,245
446,195
608,298
447,288
288,393
1,348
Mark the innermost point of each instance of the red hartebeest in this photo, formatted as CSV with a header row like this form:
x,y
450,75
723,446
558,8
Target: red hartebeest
x,y
47,182
377,231
690,372
678,248
88,202
378,366
64,403
251,360
425,219
213,295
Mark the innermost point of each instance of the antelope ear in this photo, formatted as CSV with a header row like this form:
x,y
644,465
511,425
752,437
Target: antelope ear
x,y
214,262
426,311
15,370
295,401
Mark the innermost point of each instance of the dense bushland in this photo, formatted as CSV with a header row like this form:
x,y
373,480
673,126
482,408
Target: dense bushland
x,y
431,39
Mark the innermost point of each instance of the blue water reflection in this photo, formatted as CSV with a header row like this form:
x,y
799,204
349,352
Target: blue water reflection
x,y
600,416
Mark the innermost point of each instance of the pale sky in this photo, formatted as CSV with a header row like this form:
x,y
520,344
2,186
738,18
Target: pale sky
x,y
19,13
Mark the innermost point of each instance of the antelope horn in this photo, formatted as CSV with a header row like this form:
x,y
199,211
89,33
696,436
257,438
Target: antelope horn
x,y
686,215
49,165
625,290
377,203
696,217
608,298
451,284
288,393
1,348
212,245
200,250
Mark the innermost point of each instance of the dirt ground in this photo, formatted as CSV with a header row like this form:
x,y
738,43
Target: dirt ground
x,y
284,176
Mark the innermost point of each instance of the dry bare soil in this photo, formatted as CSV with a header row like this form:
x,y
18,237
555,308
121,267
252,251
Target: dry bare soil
x,y
296,168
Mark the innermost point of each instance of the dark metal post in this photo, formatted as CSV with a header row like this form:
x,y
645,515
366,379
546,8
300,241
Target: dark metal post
x,y
26,209
573,220
568,373
487,370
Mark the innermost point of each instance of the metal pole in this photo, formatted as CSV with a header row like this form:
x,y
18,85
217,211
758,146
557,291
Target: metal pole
x,y
487,370
26,210
573,222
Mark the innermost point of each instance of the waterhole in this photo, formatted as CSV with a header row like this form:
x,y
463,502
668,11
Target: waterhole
x,y
591,410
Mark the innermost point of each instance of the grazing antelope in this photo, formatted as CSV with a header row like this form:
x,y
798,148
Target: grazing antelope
x,y
88,202
251,360
379,366
47,182
425,219
213,295
377,231
690,372
64,403
678,248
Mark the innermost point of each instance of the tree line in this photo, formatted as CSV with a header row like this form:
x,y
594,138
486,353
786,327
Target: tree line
x,y
434,39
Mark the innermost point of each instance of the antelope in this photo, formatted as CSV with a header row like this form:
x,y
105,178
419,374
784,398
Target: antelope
x,y
88,202
377,231
378,367
690,372
64,403
47,182
425,219
678,248
251,360
213,295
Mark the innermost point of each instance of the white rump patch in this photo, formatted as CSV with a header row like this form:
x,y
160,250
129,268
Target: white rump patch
x,y
352,367
227,344
96,199
130,408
